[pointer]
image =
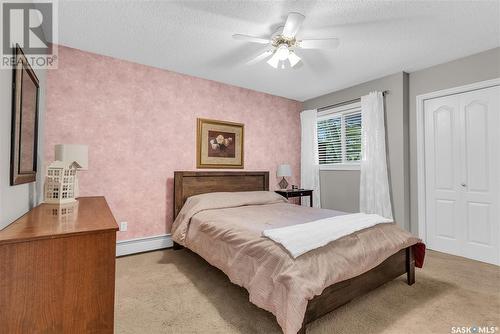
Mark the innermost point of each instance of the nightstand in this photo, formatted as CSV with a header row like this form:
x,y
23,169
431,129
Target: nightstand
x,y
289,193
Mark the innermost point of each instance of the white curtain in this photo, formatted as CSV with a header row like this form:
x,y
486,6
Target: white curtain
x,y
374,195
309,161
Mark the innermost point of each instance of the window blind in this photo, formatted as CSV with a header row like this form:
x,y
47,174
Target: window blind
x,y
353,137
330,141
339,138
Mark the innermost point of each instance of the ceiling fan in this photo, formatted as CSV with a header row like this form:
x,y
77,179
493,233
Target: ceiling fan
x,y
283,43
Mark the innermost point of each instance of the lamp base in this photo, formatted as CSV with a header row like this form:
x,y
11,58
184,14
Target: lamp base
x,y
283,184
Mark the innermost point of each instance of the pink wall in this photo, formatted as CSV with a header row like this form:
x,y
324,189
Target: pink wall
x,y
140,124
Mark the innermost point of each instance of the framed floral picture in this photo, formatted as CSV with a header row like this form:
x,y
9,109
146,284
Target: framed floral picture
x,y
219,144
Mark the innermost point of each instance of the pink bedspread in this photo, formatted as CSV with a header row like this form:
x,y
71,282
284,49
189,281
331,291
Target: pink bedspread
x,y
230,238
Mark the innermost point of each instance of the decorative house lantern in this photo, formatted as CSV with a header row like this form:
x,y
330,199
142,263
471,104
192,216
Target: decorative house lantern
x,y
60,182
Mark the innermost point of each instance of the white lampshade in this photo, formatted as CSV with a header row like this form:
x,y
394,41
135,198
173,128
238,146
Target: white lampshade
x,y
293,58
70,153
274,60
284,170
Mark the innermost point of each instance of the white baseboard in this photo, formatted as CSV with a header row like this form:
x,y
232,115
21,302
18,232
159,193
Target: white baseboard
x,y
139,245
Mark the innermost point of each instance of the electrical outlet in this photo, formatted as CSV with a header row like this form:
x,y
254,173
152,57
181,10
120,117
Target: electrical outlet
x,y
123,226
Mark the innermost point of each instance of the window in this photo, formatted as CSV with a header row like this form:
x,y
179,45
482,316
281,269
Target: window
x,y
339,137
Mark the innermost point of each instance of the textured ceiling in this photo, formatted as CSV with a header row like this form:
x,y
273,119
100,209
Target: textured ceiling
x,y
194,37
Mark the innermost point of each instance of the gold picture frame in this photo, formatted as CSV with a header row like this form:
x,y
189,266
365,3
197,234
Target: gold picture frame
x,y
219,144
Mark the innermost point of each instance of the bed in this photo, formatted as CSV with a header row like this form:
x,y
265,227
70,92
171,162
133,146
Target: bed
x,y
206,232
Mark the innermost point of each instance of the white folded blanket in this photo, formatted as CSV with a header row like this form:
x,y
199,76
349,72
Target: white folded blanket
x,y
302,238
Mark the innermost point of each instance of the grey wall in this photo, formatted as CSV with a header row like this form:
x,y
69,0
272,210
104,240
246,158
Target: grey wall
x,y
340,189
479,67
17,200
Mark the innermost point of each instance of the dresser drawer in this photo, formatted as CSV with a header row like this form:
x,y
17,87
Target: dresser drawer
x,y
303,193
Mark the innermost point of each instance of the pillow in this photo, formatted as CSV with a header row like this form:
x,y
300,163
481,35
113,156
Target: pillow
x,y
218,200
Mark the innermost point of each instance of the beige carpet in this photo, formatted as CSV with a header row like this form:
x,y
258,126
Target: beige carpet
x,y
178,292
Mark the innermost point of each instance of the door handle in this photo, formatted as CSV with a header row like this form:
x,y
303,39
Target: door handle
x,y
463,185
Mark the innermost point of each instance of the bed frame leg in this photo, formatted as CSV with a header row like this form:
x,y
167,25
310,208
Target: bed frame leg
x,y
410,266
177,246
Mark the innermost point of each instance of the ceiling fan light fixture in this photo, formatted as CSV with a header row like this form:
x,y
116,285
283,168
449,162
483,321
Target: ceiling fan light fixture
x,y
282,52
284,41
293,58
274,60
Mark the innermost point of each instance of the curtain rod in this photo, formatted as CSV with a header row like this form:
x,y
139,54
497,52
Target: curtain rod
x,y
384,93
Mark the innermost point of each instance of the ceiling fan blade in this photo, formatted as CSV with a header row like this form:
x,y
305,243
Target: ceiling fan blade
x,y
260,57
326,43
292,25
251,39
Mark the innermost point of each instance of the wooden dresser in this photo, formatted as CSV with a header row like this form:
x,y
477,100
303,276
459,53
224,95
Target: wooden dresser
x,y
57,269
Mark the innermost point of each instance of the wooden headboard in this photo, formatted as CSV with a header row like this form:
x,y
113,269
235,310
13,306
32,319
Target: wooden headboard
x,y
194,183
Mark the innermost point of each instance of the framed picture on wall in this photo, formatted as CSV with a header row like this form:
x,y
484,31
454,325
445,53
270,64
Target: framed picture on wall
x,y
219,144
24,130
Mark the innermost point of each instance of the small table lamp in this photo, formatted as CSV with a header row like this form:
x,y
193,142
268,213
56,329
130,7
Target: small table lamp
x,y
70,153
283,170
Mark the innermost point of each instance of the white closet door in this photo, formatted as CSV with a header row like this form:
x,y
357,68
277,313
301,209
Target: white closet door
x,y
442,161
462,149
480,111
